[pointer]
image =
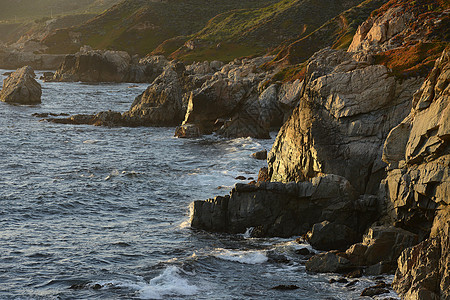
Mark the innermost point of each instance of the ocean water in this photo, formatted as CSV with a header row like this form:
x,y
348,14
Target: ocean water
x,y
102,213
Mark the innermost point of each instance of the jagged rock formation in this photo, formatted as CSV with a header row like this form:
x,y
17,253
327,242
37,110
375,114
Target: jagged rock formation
x,y
277,209
20,87
231,104
347,107
424,270
401,23
418,154
231,100
161,104
418,186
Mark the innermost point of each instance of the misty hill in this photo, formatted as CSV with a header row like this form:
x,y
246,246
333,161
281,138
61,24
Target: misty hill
x,y
31,9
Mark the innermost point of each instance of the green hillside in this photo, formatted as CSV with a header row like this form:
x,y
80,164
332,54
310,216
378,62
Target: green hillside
x,y
139,26
255,31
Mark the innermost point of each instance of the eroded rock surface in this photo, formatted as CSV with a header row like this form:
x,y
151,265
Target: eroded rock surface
x,y
418,154
347,108
418,187
20,87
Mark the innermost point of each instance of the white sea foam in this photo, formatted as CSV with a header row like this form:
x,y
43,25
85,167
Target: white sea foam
x,y
244,257
248,233
168,283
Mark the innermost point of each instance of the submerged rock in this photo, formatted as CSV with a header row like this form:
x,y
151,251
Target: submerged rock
x,y
20,87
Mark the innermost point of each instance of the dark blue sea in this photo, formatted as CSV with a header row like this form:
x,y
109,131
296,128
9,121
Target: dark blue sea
x,y
103,213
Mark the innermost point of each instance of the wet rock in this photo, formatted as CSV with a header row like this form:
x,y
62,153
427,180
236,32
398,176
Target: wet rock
x,y
261,155
328,262
21,88
375,290
277,209
187,131
331,236
303,251
351,283
47,76
240,178
354,274
340,280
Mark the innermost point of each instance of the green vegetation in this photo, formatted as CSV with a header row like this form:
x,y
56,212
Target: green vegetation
x,y
259,30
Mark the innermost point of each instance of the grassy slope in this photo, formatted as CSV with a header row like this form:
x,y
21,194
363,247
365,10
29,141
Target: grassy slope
x,y
139,26
254,31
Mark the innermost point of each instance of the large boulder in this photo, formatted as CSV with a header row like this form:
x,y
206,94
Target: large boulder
x,y
347,108
277,209
20,87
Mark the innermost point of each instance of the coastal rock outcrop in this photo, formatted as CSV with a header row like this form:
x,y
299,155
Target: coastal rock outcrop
x,y
161,104
347,108
89,65
20,87
376,254
278,209
16,59
231,103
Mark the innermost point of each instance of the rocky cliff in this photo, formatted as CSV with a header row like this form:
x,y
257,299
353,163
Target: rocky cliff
x,y
418,186
347,108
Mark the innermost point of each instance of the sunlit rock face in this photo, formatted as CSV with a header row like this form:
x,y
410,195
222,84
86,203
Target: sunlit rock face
x,y
347,108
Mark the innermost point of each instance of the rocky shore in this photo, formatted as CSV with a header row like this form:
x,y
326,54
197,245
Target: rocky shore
x,y
361,167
